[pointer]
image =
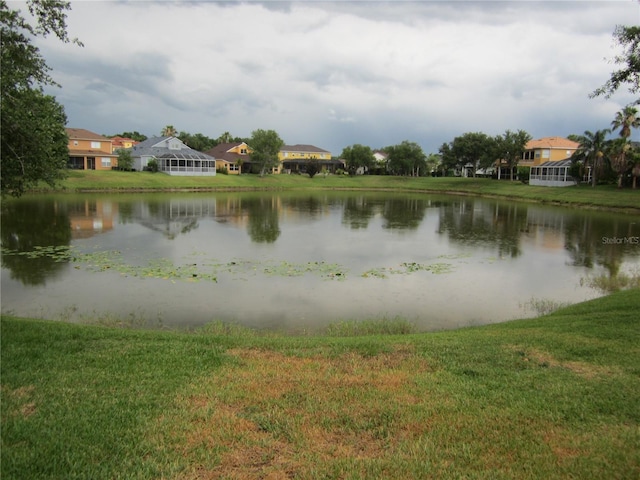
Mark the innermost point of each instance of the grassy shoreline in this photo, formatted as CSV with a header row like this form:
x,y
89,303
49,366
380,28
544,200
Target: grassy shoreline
x,y
552,397
601,197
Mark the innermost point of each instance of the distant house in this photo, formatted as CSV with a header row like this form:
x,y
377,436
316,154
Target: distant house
x,y
294,158
173,157
122,142
90,151
234,157
549,159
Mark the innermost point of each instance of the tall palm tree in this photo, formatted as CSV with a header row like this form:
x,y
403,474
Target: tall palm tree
x,y
618,152
591,151
169,131
625,120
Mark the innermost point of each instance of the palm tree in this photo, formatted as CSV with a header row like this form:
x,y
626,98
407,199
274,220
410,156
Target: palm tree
x,y
625,120
618,151
591,151
169,131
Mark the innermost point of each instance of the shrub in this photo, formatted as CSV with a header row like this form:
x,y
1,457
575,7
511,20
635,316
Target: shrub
x,y
152,165
524,173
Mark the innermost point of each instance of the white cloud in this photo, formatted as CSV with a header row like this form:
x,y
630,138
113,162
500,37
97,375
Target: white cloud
x,y
337,73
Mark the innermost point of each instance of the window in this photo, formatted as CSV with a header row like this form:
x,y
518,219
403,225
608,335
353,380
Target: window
x,y
106,162
75,143
95,144
243,151
546,153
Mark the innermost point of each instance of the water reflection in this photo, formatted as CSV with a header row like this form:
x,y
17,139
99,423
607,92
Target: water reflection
x,y
535,250
30,224
488,224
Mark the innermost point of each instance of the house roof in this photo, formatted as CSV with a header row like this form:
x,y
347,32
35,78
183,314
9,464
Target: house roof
x,y
556,163
90,153
303,148
153,147
552,142
221,152
82,134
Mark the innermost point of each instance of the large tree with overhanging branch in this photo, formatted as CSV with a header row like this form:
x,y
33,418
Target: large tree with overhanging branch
x,y
627,37
33,138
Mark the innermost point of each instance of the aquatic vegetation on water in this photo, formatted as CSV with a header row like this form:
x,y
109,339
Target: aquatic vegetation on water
x,y
204,269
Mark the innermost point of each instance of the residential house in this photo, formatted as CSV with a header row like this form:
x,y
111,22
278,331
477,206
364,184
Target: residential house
x,y
547,149
122,142
90,151
550,161
173,157
293,158
234,157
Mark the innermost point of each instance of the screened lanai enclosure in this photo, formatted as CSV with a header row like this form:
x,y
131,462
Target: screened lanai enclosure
x,y
552,174
189,163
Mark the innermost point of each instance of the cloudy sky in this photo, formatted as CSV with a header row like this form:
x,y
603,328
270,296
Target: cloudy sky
x,y
333,74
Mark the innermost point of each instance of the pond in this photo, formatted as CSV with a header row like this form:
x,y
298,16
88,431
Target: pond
x,y
298,261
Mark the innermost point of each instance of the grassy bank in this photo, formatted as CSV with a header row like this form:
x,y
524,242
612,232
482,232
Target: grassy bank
x,y
554,397
583,196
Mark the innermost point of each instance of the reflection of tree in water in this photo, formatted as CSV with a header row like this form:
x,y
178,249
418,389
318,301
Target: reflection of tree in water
x,y
312,206
590,240
264,226
27,224
404,213
357,212
483,223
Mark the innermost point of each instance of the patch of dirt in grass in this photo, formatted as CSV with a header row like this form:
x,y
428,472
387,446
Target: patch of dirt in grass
x,y
545,359
21,398
260,417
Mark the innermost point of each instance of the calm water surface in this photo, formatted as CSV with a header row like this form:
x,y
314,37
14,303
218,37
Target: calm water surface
x,y
299,261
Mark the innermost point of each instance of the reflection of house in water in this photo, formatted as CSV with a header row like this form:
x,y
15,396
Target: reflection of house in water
x,y
91,217
545,227
174,217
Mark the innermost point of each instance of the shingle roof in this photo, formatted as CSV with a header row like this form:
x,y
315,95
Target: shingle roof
x,y
82,134
552,142
302,148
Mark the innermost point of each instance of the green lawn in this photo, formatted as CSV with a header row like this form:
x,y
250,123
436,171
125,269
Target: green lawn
x,y
549,398
584,196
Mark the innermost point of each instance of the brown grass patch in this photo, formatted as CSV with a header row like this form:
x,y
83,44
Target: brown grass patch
x,y
260,418
21,399
582,369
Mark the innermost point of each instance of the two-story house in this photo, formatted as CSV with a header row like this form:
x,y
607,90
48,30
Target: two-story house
x,y
90,151
234,157
293,158
550,161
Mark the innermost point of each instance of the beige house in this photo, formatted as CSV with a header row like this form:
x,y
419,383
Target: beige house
x,y
90,151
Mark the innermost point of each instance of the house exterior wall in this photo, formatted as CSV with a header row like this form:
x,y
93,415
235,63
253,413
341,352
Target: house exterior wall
x,y
90,151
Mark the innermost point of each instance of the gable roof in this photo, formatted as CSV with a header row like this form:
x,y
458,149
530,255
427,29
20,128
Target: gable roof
x,y
552,142
302,148
83,134
221,152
